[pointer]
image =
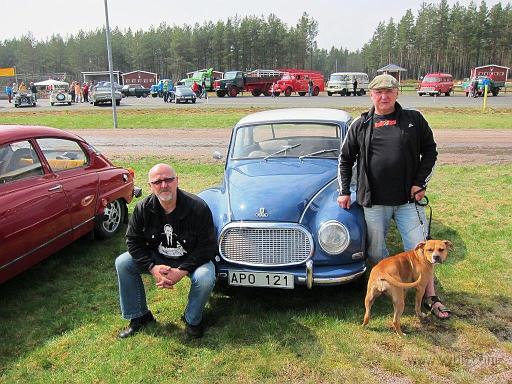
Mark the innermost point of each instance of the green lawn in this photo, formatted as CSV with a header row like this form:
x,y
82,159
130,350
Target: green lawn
x,y
439,118
60,319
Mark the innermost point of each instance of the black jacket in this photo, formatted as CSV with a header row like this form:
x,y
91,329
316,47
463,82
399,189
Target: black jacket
x,y
194,230
417,145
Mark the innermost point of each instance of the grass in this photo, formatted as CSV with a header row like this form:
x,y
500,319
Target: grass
x,y
60,319
439,118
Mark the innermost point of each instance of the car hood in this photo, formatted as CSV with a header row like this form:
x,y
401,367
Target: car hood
x,y
276,189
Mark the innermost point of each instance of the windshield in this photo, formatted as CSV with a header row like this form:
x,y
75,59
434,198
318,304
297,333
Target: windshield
x,y
287,140
230,75
286,76
338,78
431,80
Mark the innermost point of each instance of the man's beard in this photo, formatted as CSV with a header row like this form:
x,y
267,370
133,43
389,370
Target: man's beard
x,y
165,196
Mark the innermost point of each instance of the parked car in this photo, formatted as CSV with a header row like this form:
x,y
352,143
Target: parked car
x,y
24,100
135,90
60,95
182,93
435,84
55,188
343,83
276,214
101,93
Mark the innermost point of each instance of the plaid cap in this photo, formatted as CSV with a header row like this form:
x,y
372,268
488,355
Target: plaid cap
x,y
384,81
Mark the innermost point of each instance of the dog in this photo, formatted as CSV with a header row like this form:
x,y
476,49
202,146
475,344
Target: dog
x,y
411,269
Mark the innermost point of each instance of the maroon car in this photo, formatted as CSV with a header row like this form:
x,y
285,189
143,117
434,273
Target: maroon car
x,y
55,188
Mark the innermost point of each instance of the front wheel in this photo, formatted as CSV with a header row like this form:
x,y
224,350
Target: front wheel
x,y
329,93
288,92
112,219
448,93
316,91
220,93
233,91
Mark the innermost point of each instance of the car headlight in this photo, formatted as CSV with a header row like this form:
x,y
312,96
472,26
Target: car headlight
x,y
333,237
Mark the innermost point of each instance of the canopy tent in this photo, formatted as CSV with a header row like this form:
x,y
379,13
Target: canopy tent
x,y
50,82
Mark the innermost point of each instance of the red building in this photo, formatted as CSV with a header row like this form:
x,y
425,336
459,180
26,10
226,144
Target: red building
x,y
146,79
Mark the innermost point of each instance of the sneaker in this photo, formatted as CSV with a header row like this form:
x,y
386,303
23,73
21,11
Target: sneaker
x,y
193,331
136,325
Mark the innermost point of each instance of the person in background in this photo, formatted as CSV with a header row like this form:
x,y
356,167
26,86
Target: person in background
x,y
85,92
14,89
8,91
203,90
170,235
22,88
355,86
33,89
310,87
72,91
395,153
78,92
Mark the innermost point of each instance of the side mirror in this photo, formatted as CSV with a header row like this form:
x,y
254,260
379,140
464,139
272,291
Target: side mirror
x,y
217,155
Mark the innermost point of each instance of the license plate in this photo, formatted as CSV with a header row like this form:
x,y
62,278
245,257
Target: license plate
x,y
260,279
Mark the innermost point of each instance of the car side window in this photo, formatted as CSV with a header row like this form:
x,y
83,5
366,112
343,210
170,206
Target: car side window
x,y
63,154
18,161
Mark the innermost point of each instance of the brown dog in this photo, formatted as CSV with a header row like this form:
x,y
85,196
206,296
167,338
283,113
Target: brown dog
x,y
394,274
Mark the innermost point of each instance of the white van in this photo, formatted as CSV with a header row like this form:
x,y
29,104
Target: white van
x,y
343,83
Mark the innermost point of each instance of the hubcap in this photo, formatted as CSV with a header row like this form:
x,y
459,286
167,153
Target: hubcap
x,y
112,216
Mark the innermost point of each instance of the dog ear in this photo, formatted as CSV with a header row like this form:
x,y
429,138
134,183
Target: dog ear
x,y
420,245
448,244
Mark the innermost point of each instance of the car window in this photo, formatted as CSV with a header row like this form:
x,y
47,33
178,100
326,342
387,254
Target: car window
x,y
18,161
263,140
63,154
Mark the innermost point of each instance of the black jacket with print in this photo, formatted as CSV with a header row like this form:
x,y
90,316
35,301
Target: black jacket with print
x,y
417,146
195,231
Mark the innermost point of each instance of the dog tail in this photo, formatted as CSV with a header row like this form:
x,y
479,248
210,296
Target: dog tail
x,y
390,279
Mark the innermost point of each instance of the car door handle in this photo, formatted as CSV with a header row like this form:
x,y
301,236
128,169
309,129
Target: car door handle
x,y
56,188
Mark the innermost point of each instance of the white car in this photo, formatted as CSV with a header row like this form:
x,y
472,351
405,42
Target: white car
x,y
60,94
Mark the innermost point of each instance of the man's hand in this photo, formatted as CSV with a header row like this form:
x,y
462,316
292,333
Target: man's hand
x,y
418,196
161,273
344,201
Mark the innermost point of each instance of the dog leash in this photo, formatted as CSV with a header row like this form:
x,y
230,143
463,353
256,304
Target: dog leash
x,y
423,203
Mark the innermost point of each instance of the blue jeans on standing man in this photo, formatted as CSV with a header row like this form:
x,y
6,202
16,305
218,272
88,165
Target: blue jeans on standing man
x,y
132,296
378,218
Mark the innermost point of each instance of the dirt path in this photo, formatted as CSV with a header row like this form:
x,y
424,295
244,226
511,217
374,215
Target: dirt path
x,y
454,146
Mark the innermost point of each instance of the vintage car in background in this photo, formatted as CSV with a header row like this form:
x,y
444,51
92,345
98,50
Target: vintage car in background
x,y
101,93
435,84
55,188
276,214
182,94
24,100
135,90
60,95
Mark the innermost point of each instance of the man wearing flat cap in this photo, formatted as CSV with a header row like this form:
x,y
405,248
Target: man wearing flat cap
x,y
394,152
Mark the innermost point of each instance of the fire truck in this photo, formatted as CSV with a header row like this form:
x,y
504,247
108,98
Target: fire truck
x,y
297,80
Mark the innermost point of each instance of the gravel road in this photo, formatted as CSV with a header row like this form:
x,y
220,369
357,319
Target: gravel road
x,y
454,146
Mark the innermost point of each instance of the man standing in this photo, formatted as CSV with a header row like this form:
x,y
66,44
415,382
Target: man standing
x,y
33,89
170,235
355,86
8,91
395,153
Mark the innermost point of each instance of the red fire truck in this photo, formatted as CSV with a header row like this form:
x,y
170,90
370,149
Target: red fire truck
x,y
297,80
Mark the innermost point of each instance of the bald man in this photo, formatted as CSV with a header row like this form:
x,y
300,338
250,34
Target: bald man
x,y
170,235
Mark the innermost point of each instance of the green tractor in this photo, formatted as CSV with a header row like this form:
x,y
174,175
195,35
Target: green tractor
x,y
198,76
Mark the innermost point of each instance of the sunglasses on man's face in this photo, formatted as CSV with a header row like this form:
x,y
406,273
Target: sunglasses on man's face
x,y
167,180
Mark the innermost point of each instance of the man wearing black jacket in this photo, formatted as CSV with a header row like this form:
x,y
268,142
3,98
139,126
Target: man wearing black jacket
x,y
170,235
395,153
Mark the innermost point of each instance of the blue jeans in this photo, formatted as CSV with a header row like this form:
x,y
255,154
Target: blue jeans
x,y
378,218
132,296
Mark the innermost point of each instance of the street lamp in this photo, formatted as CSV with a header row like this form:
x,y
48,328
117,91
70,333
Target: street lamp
x,y
110,66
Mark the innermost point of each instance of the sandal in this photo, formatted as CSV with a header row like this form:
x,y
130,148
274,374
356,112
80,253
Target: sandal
x,y
428,304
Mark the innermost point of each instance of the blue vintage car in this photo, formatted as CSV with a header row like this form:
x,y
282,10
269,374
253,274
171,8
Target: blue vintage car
x,y
276,215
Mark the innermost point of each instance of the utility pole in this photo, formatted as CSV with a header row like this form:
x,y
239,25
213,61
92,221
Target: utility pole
x,y
110,67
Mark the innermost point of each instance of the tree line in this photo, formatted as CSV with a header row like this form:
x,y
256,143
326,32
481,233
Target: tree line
x,y
439,38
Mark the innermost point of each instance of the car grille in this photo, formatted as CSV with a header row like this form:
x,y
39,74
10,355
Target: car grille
x,y
265,244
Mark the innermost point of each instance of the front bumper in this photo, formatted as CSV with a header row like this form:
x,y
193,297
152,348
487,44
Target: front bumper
x,y
306,274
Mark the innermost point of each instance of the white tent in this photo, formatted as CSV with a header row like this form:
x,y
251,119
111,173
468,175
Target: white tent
x,y
50,82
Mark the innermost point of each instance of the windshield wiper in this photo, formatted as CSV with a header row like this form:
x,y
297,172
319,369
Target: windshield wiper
x,y
318,153
284,149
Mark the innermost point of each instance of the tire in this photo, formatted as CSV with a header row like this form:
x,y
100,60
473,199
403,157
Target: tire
x,y
52,104
95,103
420,94
118,102
221,93
288,92
329,93
302,93
194,101
495,91
111,222
69,102
267,93
448,93
343,92
256,92
154,95
233,91
316,91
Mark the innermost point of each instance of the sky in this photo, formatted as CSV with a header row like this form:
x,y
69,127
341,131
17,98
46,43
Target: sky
x,y
341,23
